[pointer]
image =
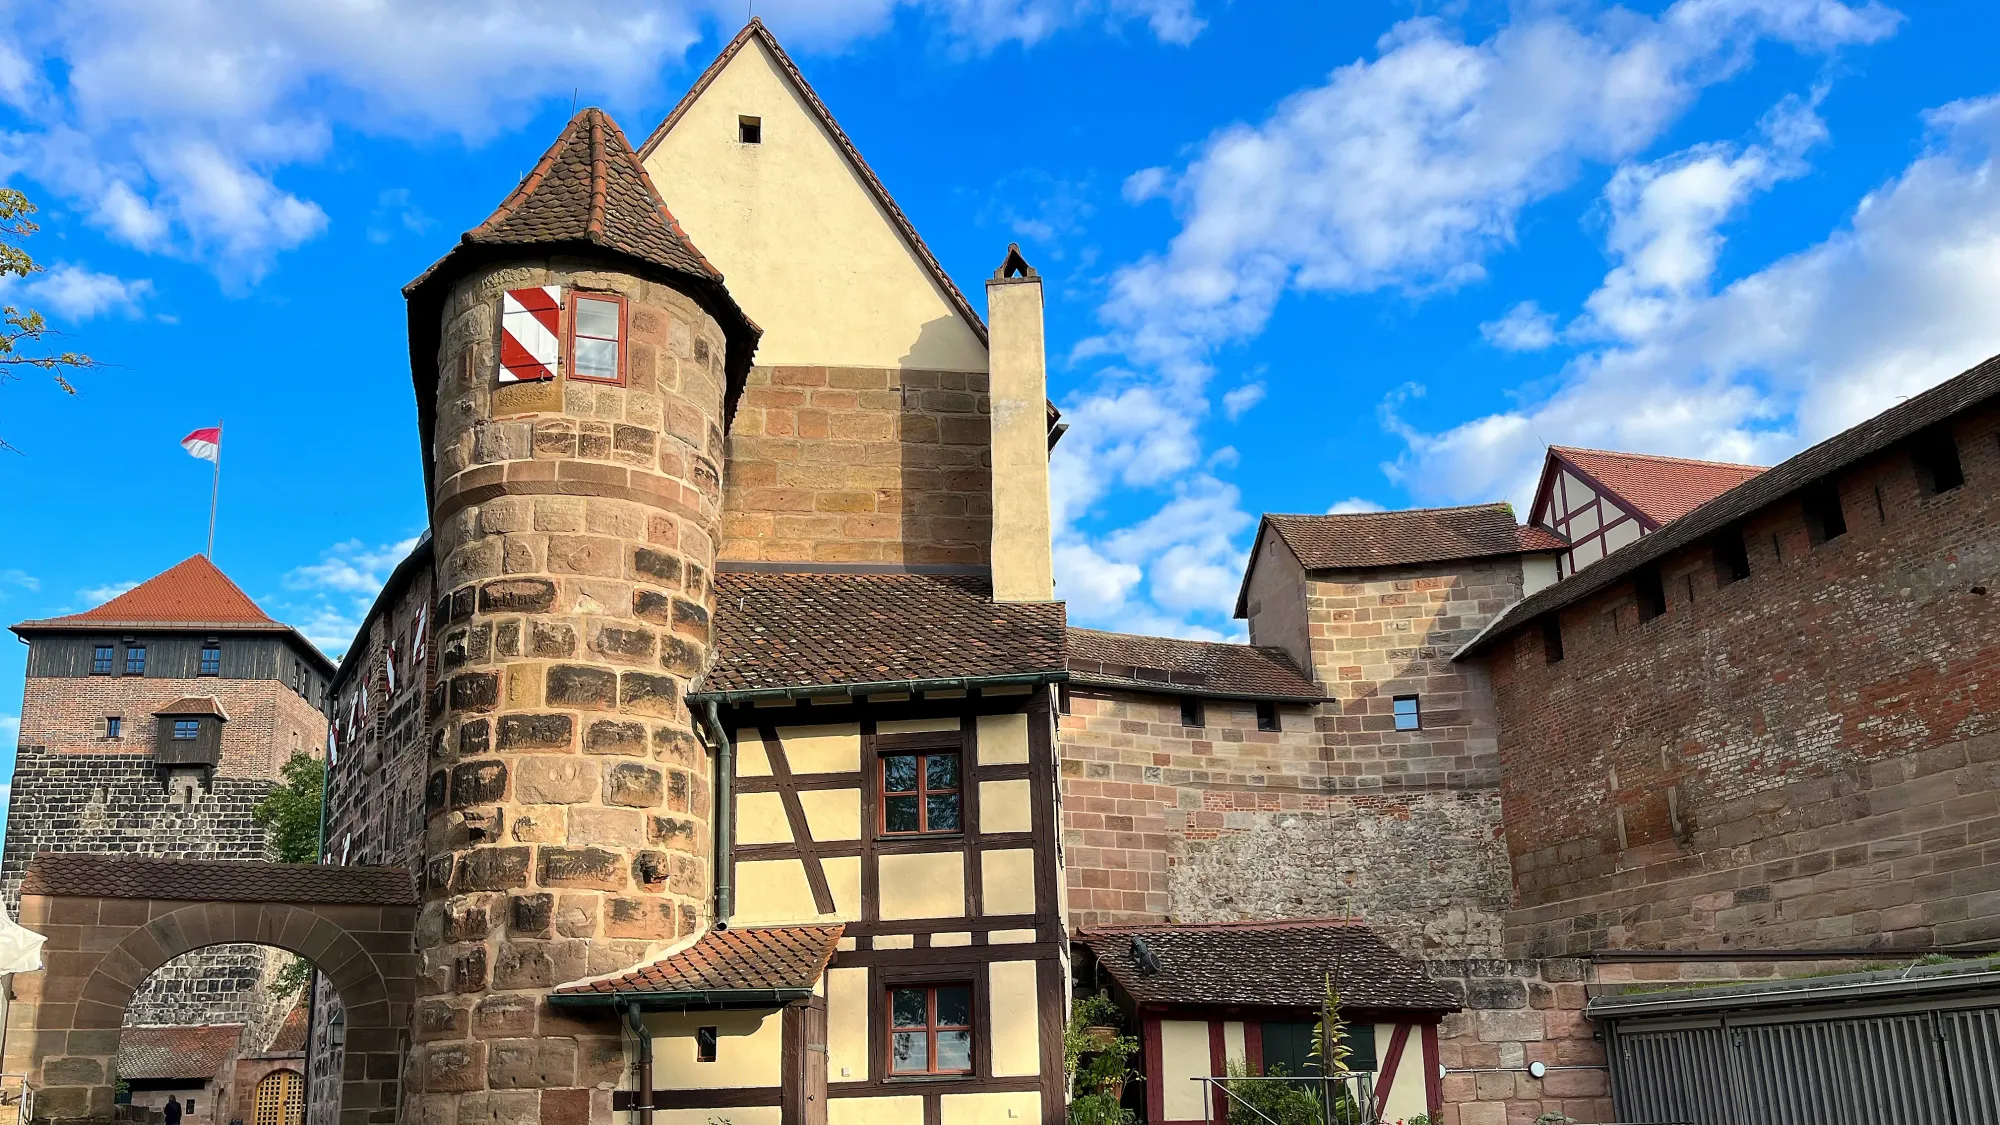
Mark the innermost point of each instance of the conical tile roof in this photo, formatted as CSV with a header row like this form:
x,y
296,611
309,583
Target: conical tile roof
x,y
191,592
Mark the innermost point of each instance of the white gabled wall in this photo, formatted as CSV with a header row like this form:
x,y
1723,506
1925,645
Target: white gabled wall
x,y
801,241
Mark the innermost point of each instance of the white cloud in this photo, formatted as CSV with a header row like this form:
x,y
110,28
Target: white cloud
x,y
1236,402
1353,505
97,595
1525,328
14,578
168,123
1896,300
332,596
75,292
1404,170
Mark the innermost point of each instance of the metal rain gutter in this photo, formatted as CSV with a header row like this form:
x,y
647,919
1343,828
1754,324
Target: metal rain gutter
x,y
725,828
707,999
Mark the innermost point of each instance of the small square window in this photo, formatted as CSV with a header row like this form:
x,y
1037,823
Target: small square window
x,y
100,660
114,726
1825,521
1552,638
1267,716
704,1044
187,730
1408,715
597,333
1650,593
750,130
1191,712
1936,457
135,660
1732,558
211,660
920,793
930,1030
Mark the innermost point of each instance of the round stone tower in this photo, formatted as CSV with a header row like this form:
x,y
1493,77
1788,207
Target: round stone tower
x,y
576,359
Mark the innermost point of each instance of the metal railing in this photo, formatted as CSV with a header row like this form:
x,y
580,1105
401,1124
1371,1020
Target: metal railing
x,y
1344,1099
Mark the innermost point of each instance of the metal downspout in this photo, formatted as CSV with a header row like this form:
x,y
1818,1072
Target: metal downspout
x,y
643,1102
725,830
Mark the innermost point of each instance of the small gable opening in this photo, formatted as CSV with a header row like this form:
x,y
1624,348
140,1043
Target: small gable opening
x,y
750,130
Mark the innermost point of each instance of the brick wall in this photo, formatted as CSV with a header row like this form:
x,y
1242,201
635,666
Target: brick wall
x,y
1516,1013
1809,757
268,722
859,465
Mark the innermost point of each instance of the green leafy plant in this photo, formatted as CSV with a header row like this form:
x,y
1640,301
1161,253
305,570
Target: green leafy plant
x,y
1330,1050
290,814
1284,1103
1555,1117
1098,1065
22,329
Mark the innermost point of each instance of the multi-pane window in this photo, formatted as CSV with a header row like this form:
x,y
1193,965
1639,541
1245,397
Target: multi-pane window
x,y
100,660
597,334
1408,717
930,1029
135,660
186,730
114,726
920,793
211,660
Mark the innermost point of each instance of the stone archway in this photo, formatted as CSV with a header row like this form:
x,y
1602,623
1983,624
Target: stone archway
x,y
111,920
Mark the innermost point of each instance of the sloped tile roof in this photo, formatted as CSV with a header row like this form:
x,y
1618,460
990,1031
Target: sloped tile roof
x,y
837,630
763,958
194,1051
1419,535
291,1037
1276,963
1177,667
1661,489
1970,389
215,880
195,705
190,593
755,29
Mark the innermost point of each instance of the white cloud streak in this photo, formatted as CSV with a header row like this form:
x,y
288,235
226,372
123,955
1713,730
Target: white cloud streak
x,y
76,292
330,598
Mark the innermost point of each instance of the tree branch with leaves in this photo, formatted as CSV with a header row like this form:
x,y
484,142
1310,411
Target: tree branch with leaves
x,y
23,331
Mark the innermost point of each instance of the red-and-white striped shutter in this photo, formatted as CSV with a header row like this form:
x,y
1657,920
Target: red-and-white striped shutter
x,y
528,336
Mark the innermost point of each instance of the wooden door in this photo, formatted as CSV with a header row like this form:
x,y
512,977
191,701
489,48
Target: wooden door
x,y
805,1063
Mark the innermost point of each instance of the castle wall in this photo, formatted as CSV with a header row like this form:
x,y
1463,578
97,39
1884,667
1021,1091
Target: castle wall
x,y
1808,757
859,465
268,722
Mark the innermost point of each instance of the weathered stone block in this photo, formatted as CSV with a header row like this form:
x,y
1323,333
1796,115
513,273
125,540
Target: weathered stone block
x,y
578,685
592,868
529,915
536,732
644,693
548,780
475,691
491,869
517,595
609,736
631,784
478,783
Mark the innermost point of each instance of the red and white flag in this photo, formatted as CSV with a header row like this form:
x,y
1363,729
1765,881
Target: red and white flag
x,y
205,443
528,344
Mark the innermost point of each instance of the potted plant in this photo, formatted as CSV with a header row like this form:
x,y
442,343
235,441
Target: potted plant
x,y
1098,1057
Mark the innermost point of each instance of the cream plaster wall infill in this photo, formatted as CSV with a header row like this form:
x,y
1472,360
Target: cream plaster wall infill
x,y
901,1110
895,941
1022,550
773,892
951,940
1003,739
1235,1046
1406,1098
922,885
834,748
1183,1056
843,880
917,726
990,1109
760,819
1016,1018
749,1049
832,814
751,761
808,252
742,1115
847,1025
1537,571
1004,806
1007,881
1010,937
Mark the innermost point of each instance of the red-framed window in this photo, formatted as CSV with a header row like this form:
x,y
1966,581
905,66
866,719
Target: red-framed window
x,y
930,1029
921,793
597,337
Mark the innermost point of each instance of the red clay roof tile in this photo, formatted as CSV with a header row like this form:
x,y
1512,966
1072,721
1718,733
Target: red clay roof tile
x,y
1177,667
191,592
1419,535
765,958
1279,963
215,880
1662,489
188,1051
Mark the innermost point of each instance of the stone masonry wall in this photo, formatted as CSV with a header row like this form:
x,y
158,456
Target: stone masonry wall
x,y
859,465
268,722
575,531
1225,822
1809,757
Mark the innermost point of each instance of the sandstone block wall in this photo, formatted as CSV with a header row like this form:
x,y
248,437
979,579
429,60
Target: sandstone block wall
x,y
1809,757
860,465
268,722
1516,1013
575,534
1223,822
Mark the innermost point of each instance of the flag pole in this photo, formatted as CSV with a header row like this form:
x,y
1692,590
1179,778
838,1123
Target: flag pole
x,y
215,490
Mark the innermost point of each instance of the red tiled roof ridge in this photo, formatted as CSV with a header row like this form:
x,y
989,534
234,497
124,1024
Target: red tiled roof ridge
x,y
151,1051
1386,512
1270,924
1629,455
195,705
756,29
192,591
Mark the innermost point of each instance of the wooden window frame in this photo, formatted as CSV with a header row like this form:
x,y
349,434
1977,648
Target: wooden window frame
x,y
194,730
1416,713
138,669
1193,714
923,792
202,666
569,335
109,662
114,726
930,1029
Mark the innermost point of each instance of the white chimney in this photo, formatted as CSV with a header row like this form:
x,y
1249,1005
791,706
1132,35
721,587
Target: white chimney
x,y
1023,567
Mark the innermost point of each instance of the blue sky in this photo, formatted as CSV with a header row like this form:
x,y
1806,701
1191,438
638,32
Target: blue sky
x,y
1301,255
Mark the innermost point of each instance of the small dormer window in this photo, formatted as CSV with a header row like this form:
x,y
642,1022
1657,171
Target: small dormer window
x,y
187,730
750,130
597,337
